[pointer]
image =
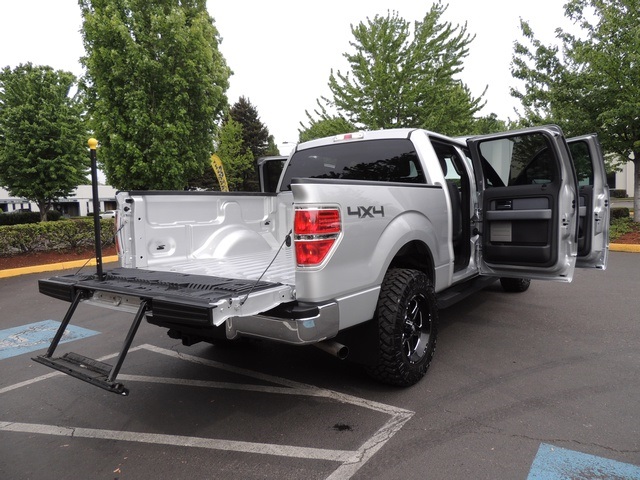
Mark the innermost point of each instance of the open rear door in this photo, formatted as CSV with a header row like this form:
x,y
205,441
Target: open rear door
x,y
593,192
528,191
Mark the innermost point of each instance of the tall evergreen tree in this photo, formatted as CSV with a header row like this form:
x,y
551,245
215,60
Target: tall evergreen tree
x,y
157,81
255,137
254,133
43,134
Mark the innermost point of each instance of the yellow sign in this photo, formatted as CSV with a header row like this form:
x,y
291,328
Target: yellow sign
x,y
216,163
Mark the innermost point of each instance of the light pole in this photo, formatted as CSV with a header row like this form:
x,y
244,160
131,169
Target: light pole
x,y
93,144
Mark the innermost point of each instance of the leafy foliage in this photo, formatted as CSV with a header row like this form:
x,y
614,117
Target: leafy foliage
x,y
401,77
157,84
42,134
27,217
236,158
62,235
622,226
589,83
255,135
324,125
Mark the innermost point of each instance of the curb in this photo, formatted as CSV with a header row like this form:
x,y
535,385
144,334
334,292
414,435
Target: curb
x,y
624,247
14,272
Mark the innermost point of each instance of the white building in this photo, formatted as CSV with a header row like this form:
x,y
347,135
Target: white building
x,y
78,204
625,179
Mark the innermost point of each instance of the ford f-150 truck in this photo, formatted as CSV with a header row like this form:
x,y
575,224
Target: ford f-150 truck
x,y
365,237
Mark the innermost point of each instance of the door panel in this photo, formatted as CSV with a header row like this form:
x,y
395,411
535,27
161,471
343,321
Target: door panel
x,y
528,197
593,223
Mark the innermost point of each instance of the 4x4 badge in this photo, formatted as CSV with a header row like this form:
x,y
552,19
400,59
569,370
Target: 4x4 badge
x,y
366,212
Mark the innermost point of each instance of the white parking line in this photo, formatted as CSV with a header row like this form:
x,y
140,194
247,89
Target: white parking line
x,y
181,441
351,461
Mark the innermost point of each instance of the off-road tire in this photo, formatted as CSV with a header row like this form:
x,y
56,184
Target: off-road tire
x,y
515,285
406,317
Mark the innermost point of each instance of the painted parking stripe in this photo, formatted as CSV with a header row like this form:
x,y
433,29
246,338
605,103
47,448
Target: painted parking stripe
x,y
35,336
350,461
555,463
181,441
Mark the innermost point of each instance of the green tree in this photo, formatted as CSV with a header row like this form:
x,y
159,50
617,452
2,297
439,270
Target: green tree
x,y
324,125
589,83
43,135
255,136
489,124
157,84
237,159
403,77
272,148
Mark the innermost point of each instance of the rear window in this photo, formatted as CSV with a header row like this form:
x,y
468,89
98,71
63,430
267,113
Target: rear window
x,y
390,160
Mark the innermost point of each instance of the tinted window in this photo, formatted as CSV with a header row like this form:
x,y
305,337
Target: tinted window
x,y
582,162
391,160
518,160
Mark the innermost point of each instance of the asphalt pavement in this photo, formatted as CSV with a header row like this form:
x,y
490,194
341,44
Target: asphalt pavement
x,y
543,384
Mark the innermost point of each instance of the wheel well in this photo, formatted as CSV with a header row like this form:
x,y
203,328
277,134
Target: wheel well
x,y
415,255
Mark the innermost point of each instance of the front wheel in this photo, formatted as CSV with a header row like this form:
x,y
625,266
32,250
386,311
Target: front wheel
x,y
406,317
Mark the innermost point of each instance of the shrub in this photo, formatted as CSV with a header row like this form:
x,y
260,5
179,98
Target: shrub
x,y
618,212
620,226
618,193
19,218
47,236
53,216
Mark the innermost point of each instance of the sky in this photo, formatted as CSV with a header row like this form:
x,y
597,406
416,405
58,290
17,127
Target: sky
x,y
282,51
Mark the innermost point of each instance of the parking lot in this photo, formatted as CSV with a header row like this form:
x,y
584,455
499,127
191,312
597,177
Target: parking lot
x,y
521,386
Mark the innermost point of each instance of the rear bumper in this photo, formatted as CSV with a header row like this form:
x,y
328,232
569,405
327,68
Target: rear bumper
x,y
178,303
295,323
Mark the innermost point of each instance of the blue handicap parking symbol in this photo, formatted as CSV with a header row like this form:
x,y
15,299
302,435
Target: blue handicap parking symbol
x,y
555,463
35,336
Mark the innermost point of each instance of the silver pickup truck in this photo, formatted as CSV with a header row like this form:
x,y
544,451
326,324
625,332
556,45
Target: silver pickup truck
x,y
365,237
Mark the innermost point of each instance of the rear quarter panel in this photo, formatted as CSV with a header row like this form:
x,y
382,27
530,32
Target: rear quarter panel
x,y
378,219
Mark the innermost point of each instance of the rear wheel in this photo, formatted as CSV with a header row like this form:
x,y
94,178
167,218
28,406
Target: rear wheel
x,y
515,285
406,318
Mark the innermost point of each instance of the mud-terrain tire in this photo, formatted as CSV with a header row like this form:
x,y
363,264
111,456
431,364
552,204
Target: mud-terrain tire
x,y
515,285
407,318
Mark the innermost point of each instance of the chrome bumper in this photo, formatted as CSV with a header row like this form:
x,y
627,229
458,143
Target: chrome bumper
x,y
307,326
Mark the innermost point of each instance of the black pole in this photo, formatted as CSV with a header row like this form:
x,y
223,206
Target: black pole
x,y
93,144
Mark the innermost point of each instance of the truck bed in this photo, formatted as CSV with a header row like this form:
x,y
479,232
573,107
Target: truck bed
x,y
248,267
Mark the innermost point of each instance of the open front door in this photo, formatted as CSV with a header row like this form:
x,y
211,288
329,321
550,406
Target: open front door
x,y
593,192
528,191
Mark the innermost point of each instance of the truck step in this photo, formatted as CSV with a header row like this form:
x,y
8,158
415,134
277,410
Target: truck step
x,y
459,292
84,368
87,369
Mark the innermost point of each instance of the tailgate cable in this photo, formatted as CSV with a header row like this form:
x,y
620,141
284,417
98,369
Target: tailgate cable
x,y
287,240
102,244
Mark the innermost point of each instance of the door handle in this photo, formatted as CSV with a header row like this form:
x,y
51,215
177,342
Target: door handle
x,y
504,205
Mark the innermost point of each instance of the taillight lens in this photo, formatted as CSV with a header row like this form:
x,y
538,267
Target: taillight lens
x,y
315,233
312,252
316,222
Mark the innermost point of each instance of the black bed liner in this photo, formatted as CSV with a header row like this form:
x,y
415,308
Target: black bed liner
x,y
171,296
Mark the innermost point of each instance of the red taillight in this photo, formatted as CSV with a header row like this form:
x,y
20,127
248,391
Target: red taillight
x,y
316,231
316,222
312,252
